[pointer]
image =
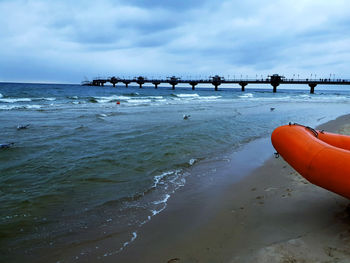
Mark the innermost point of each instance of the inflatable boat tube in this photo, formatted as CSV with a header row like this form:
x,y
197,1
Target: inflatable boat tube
x,y
322,158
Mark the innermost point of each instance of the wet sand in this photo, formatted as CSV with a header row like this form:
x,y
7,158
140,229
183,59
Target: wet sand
x,y
271,215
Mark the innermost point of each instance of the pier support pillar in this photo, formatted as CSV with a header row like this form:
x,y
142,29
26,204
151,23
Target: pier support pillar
x,y
243,84
275,81
216,81
312,87
156,83
113,80
193,84
173,81
274,87
126,82
140,80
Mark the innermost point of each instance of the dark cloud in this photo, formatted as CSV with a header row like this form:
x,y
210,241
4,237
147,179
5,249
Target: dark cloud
x,y
200,37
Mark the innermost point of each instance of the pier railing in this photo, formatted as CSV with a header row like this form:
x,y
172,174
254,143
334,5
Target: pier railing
x,y
274,80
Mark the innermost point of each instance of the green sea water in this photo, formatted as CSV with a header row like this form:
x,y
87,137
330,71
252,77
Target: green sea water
x,y
87,168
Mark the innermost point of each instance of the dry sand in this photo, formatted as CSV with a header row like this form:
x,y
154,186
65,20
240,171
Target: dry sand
x,y
272,215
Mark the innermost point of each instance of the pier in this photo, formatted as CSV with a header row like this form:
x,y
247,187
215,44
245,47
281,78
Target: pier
x,y
274,80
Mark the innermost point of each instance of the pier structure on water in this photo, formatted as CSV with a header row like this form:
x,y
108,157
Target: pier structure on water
x,y
274,80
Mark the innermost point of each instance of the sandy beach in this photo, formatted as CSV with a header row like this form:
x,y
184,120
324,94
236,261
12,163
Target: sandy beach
x,y
271,215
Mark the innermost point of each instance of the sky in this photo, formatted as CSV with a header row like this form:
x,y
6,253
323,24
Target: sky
x,y
65,41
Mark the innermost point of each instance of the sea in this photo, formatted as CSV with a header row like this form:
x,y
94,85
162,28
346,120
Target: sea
x,y
84,164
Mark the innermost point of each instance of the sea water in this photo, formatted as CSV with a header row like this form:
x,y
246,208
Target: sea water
x,y
100,162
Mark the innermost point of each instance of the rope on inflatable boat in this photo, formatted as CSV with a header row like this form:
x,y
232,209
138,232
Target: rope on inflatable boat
x,y
306,127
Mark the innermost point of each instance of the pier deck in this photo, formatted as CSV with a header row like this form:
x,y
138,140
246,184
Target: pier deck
x,y
274,80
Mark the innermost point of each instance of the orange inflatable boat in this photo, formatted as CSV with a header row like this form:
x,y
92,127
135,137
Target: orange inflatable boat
x,y
322,158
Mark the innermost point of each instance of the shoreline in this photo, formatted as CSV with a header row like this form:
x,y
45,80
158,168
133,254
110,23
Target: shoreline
x,y
272,214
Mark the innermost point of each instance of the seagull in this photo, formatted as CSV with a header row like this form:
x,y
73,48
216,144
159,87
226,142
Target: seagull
x,y
6,145
22,127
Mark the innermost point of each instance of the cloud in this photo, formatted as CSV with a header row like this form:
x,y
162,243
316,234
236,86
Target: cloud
x,y
79,38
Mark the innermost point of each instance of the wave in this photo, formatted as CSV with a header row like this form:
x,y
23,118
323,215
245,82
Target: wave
x,y
132,94
19,107
109,99
1,96
186,95
147,100
15,100
158,178
210,97
128,99
92,100
248,95
46,99
49,99
155,97
192,97
102,115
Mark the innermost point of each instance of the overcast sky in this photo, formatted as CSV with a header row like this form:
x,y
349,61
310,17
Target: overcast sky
x,y
66,41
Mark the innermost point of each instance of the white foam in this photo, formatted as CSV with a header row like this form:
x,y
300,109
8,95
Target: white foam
x,y
112,98
49,99
134,236
176,181
15,100
158,178
187,95
18,107
210,97
164,200
161,100
1,96
156,212
248,95
32,107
